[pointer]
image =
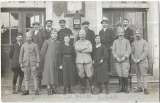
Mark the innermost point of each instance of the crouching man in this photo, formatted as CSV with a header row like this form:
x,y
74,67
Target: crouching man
x,y
139,57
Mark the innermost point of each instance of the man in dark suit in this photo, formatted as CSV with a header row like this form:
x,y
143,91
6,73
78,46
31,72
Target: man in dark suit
x,y
64,31
107,37
128,32
106,33
14,55
37,34
47,30
90,35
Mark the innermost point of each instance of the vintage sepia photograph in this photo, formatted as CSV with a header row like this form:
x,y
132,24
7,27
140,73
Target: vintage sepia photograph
x,y
80,51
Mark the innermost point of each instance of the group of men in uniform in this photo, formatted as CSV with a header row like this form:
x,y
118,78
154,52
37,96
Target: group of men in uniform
x,y
124,47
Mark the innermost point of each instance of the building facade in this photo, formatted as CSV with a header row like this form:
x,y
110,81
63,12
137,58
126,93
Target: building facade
x,y
18,16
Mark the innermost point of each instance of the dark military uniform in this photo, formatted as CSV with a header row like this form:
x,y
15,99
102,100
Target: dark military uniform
x,y
128,34
64,32
107,37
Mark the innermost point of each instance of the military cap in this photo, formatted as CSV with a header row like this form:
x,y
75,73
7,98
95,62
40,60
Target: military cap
x,y
62,21
105,19
85,23
49,21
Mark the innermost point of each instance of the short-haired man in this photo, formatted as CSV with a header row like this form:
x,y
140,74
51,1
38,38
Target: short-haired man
x,y
83,50
128,32
29,62
14,55
121,50
139,57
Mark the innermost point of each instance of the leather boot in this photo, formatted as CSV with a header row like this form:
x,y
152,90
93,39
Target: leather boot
x,y
91,85
126,85
146,91
14,90
106,87
120,85
26,92
100,88
36,92
83,84
65,90
19,89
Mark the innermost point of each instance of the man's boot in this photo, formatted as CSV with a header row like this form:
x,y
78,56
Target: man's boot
x,y
37,92
19,89
14,89
70,90
100,88
146,91
126,85
120,85
26,92
139,89
91,87
106,87
65,90
83,84
39,84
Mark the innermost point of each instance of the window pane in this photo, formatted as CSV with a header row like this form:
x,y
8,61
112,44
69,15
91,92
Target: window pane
x,y
5,28
5,18
14,20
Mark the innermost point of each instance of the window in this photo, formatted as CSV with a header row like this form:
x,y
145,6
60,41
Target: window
x,y
9,27
5,37
136,17
14,21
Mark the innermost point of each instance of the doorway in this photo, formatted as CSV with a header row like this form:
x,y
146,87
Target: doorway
x,y
15,20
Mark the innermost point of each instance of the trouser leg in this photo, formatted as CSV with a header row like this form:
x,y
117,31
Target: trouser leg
x,y
106,87
119,72
89,73
39,79
21,76
15,76
35,77
81,74
125,73
100,87
27,75
138,73
126,85
121,84
143,71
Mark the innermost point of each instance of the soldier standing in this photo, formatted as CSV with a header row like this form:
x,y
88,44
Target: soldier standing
x,y
139,57
121,52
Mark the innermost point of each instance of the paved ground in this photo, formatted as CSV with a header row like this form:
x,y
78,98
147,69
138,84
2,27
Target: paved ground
x,y
132,97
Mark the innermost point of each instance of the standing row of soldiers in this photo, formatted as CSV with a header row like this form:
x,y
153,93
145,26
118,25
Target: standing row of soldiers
x,y
54,57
